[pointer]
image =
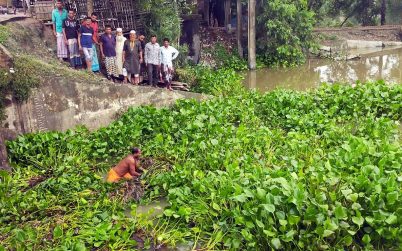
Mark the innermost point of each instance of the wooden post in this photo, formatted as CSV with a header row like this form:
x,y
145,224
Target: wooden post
x,y
90,7
383,11
206,11
227,8
239,28
251,35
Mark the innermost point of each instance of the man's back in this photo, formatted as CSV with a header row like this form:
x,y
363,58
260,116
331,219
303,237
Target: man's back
x,y
123,166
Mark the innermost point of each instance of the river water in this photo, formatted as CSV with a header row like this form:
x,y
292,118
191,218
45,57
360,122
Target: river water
x,y
374,64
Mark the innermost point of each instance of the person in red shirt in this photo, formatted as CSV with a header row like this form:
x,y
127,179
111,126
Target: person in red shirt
x,y
95,27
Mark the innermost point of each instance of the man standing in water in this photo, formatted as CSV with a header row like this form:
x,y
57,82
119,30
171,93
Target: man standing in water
x,y
168,54
127,168
58,16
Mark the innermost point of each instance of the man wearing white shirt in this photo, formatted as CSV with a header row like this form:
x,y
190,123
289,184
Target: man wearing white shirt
x,y
152,55
168,54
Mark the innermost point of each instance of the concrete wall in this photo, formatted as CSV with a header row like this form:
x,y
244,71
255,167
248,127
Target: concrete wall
x,y
62,105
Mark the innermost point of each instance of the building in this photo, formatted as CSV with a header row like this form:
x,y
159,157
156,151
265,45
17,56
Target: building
x,y
125,14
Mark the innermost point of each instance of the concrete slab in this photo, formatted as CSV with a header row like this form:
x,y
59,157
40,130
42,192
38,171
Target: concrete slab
x,y
62,105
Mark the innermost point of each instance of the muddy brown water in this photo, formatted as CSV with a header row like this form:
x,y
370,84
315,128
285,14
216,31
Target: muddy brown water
x,y
374,64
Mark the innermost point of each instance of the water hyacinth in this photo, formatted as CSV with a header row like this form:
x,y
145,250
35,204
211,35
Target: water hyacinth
x,y
284,170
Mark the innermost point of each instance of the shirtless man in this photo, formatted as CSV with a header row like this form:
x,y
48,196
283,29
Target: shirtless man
x,y
126,168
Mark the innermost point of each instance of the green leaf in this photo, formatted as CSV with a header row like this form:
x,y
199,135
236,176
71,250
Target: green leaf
x,y
276,243
366,239
392,219
57,232
340,212
269,208
216,206
348,240
392,197
327,233
358,220
168,212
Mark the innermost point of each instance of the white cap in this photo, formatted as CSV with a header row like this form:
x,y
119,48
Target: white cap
x,y
133,32
119,30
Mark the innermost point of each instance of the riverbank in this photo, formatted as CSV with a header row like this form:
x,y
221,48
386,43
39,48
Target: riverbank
x,y
66,98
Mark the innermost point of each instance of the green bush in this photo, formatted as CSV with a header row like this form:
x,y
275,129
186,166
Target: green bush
x,y
4,33
227,59
284,31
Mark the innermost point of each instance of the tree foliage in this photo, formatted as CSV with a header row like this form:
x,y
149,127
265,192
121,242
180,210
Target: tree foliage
x,y
284,31
164,17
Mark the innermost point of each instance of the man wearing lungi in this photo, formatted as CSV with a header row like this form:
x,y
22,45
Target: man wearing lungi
x,y
58,16
95,27
108,51
70,32
168,54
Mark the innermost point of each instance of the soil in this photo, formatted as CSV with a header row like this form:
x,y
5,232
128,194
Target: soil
x,y
369,33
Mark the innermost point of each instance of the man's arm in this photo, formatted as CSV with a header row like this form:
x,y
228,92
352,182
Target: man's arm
x,y
64,35
175,53
132,170
101,47
146,54
54,23
79,40
141,53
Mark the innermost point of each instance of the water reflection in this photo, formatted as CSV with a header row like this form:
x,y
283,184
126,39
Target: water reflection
x,y
383,64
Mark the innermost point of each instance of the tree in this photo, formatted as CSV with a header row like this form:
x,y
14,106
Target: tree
x,y
383,11
251,35
364,11
239,28
284,31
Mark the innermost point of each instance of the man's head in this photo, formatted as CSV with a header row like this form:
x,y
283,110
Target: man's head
x,y
166,42
153,39
108,29
88,21
119,32
94,17
136,152
133,35
71,14
59,5
141,38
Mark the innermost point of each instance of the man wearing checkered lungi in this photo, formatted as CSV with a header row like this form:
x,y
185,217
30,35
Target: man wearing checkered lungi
x,y
58,16
108,51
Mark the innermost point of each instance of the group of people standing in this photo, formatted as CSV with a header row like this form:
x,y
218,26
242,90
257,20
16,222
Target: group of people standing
x,y
128,59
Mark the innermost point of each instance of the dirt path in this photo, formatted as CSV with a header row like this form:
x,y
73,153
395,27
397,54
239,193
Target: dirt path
x,y
367,33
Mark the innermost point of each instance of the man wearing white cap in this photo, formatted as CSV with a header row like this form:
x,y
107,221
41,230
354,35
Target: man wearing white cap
x,y
132,58
120,39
